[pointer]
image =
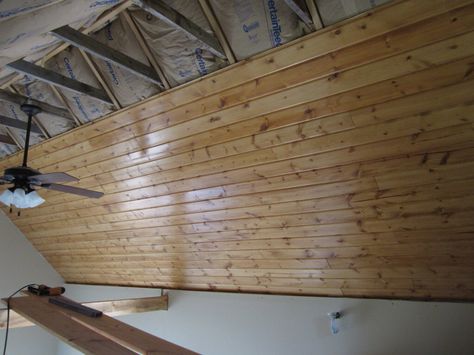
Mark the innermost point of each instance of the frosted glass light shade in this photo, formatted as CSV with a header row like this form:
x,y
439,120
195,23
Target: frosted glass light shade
x,y
20,199
6,197
34,199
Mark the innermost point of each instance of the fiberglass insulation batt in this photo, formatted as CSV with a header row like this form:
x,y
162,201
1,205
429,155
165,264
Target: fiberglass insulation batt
x,y
181,56
253,26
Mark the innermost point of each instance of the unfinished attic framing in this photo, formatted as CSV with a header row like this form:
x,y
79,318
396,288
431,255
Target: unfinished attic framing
x,y
330,153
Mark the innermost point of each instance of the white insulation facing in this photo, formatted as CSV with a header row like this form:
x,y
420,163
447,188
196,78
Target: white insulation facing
x,y
24,31
181,56
250,27
37,90
72,64
12,110
127,87
333,11
253,26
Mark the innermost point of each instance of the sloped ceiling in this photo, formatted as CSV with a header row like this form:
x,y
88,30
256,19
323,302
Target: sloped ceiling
x,y
340,164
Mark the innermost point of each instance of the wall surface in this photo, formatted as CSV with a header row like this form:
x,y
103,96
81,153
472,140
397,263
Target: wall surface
x,y
21,264
224,323
339,164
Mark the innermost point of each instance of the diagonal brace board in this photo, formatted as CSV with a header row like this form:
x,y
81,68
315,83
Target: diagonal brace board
x,y
59,80
7,139
299,12
45,107
13,123
73,333
102,335
166,13
107,53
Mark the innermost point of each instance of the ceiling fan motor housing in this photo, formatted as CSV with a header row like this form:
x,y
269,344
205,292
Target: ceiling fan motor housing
x,y
19,176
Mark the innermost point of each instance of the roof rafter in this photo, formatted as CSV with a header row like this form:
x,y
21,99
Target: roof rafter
x,y
172,17
4,138
300,13
100,50
100,22
45,107
216,28
313,11
51,77
144,46
14,123
35,120
100,78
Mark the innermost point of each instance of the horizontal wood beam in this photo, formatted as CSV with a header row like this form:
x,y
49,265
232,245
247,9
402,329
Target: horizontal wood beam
x,y
7,139
299,12
172,17
100,50
47,108
56,79
112,308
13,123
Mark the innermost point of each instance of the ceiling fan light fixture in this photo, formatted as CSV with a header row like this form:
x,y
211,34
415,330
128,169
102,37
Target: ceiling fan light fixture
x,y
20,199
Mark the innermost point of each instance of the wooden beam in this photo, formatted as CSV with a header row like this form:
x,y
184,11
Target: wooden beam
x,y
35,120
20,99
216,28
313,11
299,12
104,19
112,308
146,49
53,78
73,333
13,123
66,104
98,49
100,79
169,15
7,139
100,335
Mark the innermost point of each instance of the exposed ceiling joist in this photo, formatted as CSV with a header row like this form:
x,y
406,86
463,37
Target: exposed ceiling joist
x,y
216,28
35,120
166,13
98,49
20,99
7,139
51,77
144,46
313,11
103,20
100,78
299,12
13,123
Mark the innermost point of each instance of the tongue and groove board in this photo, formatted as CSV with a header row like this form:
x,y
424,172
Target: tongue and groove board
x,y
341,164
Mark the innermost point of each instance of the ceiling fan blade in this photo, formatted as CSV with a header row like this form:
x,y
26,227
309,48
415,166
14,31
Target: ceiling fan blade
x,y
73,190
7,178
51,178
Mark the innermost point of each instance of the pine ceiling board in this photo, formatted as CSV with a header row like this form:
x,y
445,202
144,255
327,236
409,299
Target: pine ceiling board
x,y
339,164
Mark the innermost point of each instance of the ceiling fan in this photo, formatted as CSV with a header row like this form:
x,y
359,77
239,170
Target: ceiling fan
x,y
25,180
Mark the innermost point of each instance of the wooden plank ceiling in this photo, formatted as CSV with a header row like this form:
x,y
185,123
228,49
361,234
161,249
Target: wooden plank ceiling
x,y
341,164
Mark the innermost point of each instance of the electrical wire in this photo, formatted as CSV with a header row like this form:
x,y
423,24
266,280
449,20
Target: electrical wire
x,y
8,316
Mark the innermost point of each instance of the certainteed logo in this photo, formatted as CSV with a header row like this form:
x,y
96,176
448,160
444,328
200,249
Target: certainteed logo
x,y
275,32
